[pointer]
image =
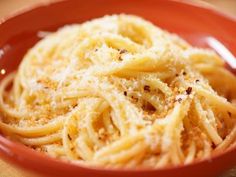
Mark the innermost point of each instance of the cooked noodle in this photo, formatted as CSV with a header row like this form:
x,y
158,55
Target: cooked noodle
x,y
120,92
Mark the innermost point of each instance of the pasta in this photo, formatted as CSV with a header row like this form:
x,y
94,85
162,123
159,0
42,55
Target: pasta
x,y
120,92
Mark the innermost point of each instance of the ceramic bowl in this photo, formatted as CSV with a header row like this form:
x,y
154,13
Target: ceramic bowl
x,y
197,24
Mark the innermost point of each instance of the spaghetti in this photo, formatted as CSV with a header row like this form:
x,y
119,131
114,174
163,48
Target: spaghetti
x,y
120,92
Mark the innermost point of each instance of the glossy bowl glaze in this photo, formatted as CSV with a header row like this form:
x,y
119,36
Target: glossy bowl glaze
x,y
201,26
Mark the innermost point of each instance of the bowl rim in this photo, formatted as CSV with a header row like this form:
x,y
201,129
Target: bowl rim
x,y
26,158
193,3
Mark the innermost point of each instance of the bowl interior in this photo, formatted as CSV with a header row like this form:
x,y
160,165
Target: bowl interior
x,y
200,26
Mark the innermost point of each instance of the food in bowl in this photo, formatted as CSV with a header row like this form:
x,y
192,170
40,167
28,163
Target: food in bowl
x,y
118,91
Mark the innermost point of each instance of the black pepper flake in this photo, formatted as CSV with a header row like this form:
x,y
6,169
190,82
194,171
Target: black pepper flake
x,y
122,51
147,88
69,137
125,93
96,50
189,90
74,105
229,113
179,100
120,59
184,73
197,80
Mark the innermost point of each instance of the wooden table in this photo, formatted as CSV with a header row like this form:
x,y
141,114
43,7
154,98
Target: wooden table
x,y
9,6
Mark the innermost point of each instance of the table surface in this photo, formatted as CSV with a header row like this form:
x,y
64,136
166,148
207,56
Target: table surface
x,y
9,6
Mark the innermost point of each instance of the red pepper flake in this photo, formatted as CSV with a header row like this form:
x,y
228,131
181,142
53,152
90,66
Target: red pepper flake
x,y
189,90
134,98
125,93
229,113
149,107
147,88
69,137
184,73
176,75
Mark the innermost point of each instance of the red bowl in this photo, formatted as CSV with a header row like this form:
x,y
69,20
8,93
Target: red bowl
x,y
193,22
